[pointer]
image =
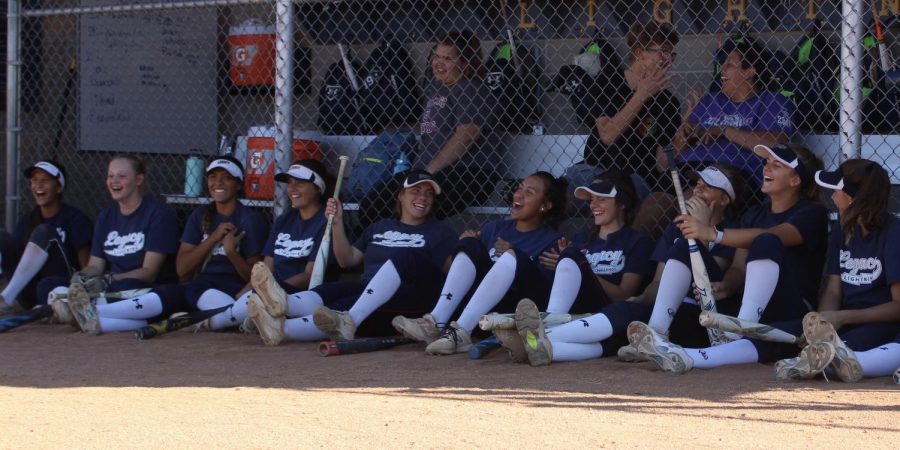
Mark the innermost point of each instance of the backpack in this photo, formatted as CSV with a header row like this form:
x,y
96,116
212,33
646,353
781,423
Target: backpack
x,y
390,95
512,84
339,111
807,78
374,164
601,65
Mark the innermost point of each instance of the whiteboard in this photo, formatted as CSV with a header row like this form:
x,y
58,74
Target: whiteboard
x,y
147,80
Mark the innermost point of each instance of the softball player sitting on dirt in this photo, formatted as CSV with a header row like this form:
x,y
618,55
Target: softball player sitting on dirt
x,y
220,244
491,259
861,298
718,197
403,261
133,245
51,240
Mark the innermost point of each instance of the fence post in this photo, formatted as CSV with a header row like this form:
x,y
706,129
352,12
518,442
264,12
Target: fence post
x,y
13,62
284,102
850,122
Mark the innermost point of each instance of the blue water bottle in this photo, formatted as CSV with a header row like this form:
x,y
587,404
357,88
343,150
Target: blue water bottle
x,y
401,164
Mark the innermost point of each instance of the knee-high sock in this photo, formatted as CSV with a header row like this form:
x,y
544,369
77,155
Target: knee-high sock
x,y
138,308
880,361
212,299
566,283
33,258
380,289
460,279
303,303
231,317
674,283
491,290
110,324
303,329
762,276
740,351
566,351
589,330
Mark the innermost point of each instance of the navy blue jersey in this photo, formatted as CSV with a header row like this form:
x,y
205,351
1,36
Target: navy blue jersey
x,y
383,239
244,219
624,251
124,240
867,265
294,242
805,260
672,234
72,226
532,243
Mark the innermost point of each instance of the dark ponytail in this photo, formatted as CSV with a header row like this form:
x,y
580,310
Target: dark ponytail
x,y
555,192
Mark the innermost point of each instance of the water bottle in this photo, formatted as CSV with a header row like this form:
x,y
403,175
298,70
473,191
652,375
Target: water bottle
x,y
401,164
193,176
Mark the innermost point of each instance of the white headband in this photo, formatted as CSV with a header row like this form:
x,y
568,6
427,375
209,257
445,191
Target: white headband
x,y
227,166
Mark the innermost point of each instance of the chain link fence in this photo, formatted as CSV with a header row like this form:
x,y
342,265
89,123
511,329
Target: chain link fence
x,y
539,88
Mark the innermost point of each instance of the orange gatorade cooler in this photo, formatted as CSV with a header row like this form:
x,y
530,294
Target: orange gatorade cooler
x,y
259,174
251,50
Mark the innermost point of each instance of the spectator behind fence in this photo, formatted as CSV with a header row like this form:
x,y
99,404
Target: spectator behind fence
x,y
727,125
133,247
636,117
457,146
53,239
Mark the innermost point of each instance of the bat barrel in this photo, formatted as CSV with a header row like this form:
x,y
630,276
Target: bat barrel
x,y
329,348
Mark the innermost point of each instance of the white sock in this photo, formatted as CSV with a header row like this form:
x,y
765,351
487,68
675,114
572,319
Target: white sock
x,y
566,283
33,258
138,308
566,351
110,324
674,283
212,299
460,279
231,317
491,290
380,289
880,361
740,351
303,329
303,303
762,276
582,331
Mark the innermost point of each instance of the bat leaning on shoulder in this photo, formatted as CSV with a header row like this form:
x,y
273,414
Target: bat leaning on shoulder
x,y
361,345
16,320
747,329
176,322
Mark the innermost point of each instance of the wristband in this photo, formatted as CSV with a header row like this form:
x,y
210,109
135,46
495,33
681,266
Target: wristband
x,y
719,236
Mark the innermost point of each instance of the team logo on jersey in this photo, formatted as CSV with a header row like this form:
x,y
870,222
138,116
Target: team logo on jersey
x,y
606,262
428,124
398,239
128,244
729,120
859,271
62,234
288,248
218,249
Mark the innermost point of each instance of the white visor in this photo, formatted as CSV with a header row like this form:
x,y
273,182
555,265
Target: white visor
x,y
303,173
51,170
714,177
227,166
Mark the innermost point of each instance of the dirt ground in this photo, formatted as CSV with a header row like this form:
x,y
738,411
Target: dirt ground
x,y
62,389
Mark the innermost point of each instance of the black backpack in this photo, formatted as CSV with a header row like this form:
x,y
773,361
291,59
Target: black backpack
x,y
512,85
583,89
807,78
390,95
339,111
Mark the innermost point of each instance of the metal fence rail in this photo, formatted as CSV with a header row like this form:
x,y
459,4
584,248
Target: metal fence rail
x,y
168,80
